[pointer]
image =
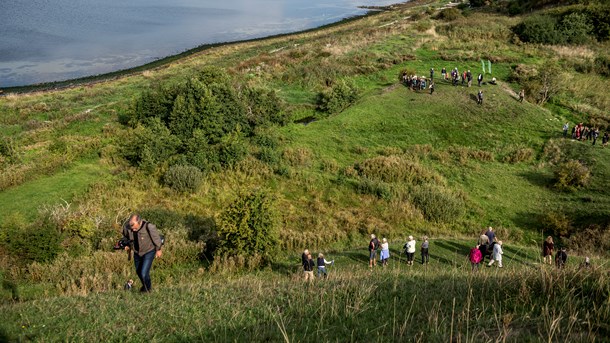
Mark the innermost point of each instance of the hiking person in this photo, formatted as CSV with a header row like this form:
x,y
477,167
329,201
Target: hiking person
x,y
521,95
385,252
566,127
475,257
483,244
595,134
605,139
373,246
425,256
444,73
431,74
308,267
410,250
561,258
480,79
322,265
463,77
497,254
480,97
431,88
490,234
145,242
547,250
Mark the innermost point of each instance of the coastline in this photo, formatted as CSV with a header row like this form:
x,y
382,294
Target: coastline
x,y
98,78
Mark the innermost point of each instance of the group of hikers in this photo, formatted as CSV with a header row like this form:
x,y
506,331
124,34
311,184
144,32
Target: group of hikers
x,y
487,246
583,133
415,82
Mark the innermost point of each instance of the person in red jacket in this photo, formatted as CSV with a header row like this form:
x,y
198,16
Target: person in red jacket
x,y
475,257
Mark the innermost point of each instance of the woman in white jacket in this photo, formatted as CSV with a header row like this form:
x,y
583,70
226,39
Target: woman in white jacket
x,y
497,254
410,250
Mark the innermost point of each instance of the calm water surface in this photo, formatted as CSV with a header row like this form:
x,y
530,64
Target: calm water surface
x,y
53,40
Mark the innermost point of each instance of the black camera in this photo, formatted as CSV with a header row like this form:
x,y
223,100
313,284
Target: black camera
x,y
122,243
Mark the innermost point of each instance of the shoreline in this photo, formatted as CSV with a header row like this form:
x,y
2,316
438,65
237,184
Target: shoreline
x,y
93,79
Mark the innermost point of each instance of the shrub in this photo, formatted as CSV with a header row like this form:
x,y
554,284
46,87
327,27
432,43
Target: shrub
x,y
341,95
8,150
519,155
395,169
571,175
602,65
449,14
183,178
377,188
39,242
539,29
268,155
423,25
248,227
298,157
437,204
557,223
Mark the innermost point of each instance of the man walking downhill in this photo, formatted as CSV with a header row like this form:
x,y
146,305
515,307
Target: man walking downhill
x,y
145,242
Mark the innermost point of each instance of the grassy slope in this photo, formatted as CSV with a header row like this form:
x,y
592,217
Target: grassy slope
x,y
191,306
398,302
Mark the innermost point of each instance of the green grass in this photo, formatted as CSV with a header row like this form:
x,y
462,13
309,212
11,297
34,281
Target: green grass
x,y
430,303
466,146
26,199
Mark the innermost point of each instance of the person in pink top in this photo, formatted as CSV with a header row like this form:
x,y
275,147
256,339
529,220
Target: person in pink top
x,y
475,257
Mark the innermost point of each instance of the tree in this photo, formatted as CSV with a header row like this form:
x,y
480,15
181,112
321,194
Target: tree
x,y
248,227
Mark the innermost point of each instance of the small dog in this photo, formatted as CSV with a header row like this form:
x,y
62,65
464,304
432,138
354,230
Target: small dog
x,y
128,285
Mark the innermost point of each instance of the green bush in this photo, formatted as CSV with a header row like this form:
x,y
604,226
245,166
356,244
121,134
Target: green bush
x,y
571,175
539,29
380,189
183,178
449,14
341,95
248,227
557,223
437,204
602,65
200,121
8,150
39,242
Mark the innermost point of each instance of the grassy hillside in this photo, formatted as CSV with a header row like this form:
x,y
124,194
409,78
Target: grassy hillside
x,y
392,162
437,302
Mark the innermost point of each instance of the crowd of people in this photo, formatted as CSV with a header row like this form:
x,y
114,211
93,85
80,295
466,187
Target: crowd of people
x,y
487,251
583,133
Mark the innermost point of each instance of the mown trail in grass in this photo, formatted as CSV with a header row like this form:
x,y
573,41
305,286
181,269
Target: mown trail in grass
x,y
397,302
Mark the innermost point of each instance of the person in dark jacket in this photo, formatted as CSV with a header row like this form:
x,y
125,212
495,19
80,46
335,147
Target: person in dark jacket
x,y
480,79
145,242
308,266
480,97
373,246
561,258
547,250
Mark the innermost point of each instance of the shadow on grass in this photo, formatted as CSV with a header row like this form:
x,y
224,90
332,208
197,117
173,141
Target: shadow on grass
x,y
537,179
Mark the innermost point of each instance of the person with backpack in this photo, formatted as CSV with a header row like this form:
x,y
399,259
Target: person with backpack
x,y
410,250
373,246
146,243
444,73
480,97
308,266
431,88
